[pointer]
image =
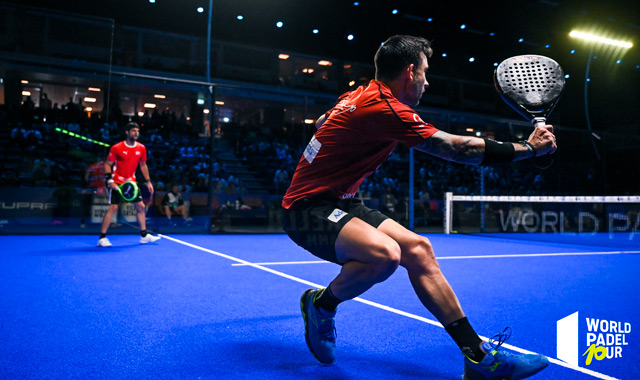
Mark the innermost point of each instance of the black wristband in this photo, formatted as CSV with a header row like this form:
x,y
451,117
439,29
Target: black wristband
x,y
531,147
108,176
496,152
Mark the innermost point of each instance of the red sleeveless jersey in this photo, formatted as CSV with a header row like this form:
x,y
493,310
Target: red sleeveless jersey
x,y
359,133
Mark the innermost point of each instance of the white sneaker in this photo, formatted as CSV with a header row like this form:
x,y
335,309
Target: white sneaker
x,y
104,242
149,239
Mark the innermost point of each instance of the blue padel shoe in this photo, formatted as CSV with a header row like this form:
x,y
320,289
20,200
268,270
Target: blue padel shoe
x,y
501,365
319,328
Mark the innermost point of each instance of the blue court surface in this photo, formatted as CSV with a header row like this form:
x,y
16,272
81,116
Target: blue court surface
x,y
227,307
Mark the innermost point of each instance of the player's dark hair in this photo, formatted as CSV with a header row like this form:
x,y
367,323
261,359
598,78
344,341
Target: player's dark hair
x,y
131,125
397,53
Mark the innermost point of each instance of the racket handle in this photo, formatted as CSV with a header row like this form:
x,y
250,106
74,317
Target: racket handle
x,y
539,121
541,162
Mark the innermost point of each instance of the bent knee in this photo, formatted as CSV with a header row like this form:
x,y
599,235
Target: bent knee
x,y
388,257
420,253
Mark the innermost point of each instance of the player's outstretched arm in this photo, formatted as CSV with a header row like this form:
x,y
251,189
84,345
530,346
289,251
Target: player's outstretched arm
x,y
479,151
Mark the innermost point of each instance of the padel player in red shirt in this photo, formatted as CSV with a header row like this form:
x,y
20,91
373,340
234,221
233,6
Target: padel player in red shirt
x,y
120,167
321,214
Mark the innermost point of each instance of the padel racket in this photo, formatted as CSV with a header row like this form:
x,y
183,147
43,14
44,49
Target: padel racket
x,y
129,191
531,85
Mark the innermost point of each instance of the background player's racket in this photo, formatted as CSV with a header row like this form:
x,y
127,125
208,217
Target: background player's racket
x,y
129,191
531,85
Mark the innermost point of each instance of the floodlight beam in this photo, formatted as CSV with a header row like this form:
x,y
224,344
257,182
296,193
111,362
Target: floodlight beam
x,y
593,40
600,39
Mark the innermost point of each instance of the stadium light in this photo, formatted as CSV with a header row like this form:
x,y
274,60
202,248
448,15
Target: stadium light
x,y
595,40
600,39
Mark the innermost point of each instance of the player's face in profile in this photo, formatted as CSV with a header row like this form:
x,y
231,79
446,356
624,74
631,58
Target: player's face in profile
x,y
419,82
133,133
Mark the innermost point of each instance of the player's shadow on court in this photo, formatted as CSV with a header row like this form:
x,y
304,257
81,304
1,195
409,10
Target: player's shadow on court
x,y
83,250
294,361
115,248
274,348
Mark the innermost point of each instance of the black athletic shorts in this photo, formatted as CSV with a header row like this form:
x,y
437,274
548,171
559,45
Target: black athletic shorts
x,y
116,199
314,223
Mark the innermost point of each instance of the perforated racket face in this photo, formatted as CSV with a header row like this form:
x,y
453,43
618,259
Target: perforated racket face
x,y
530,83
129,191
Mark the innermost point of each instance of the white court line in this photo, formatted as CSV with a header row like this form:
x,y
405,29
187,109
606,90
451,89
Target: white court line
x,y
466,257
287,263
380,306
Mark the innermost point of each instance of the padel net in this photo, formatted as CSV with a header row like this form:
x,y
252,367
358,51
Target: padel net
x,y
611,221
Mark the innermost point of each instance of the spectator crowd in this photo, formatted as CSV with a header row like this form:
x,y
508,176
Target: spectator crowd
x,y
36,155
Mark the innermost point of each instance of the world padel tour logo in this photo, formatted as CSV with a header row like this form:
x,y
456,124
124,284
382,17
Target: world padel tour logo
x,y
605,339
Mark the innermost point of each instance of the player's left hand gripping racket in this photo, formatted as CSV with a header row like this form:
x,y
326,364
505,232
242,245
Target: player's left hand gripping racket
x,y
129,191
531,85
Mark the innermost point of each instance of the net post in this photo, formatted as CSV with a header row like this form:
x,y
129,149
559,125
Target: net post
x,y
448,212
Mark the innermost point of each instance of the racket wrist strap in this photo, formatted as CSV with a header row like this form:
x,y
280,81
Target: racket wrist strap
x,y
532,149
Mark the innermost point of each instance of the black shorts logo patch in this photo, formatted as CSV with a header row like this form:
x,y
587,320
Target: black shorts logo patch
x,y
336,215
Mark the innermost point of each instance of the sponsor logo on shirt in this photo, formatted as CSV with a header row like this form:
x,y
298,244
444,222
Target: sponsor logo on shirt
x,y
344,106
312,149
417,118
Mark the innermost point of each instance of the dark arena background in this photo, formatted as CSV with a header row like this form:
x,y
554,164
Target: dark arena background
x,y
227,94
